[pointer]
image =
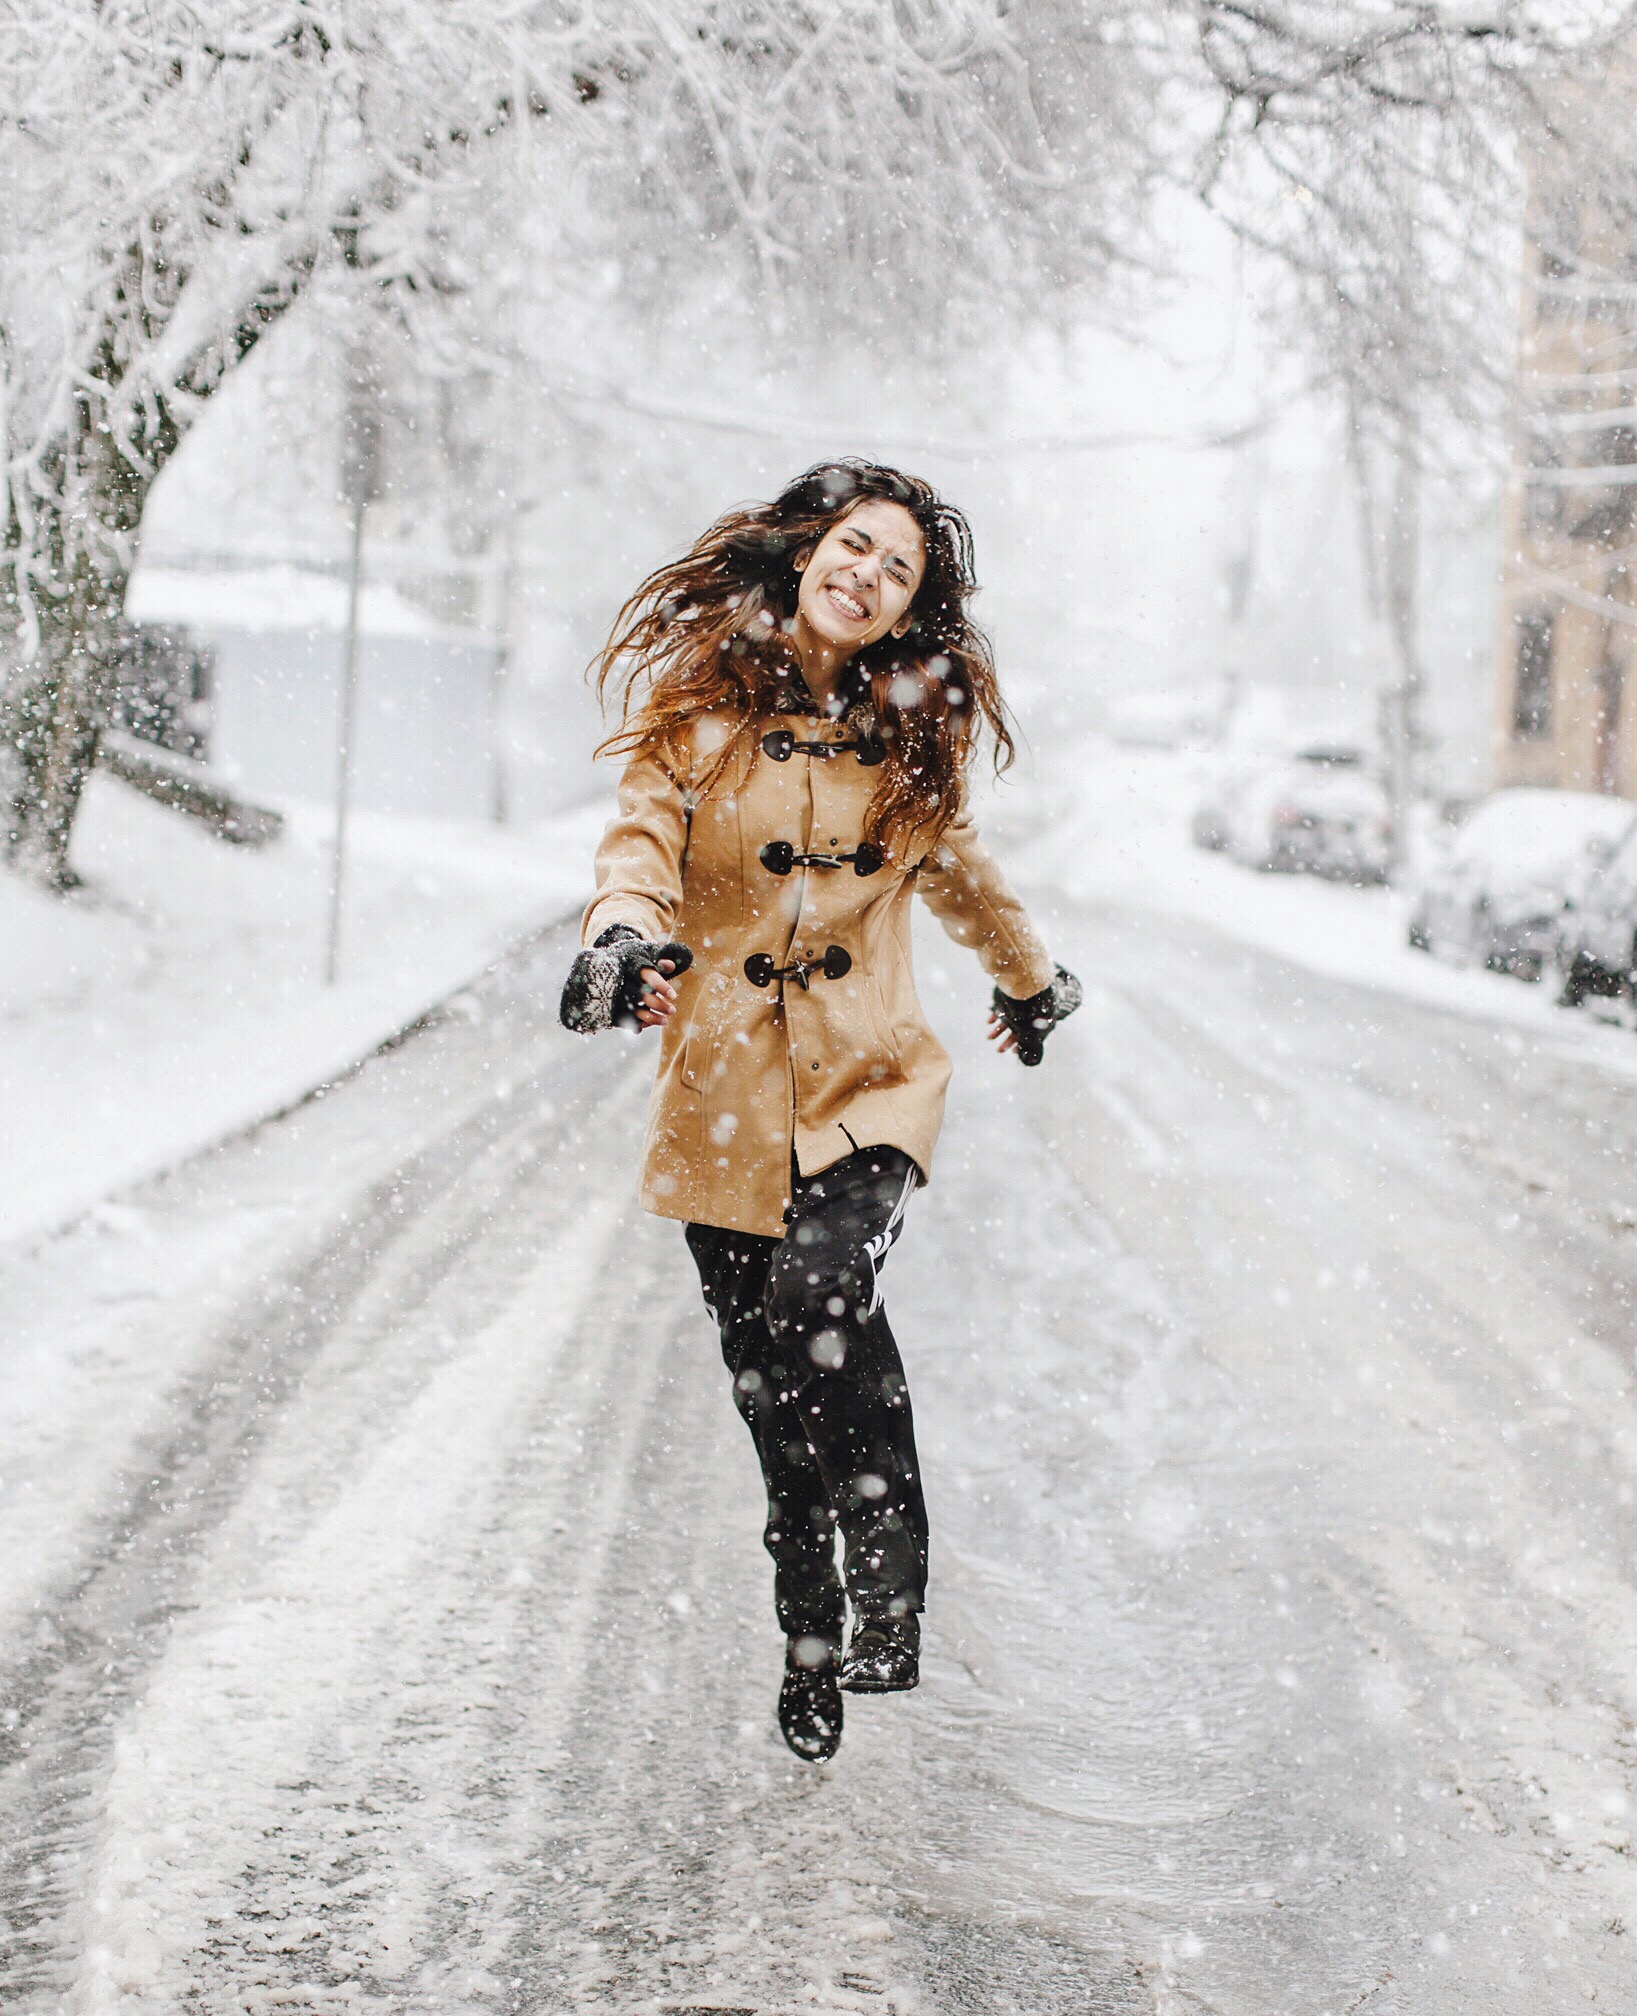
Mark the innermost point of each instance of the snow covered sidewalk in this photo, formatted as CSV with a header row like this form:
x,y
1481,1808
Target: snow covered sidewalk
x,y
180,996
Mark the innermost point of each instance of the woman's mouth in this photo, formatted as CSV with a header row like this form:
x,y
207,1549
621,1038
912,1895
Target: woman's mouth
x,y
849,605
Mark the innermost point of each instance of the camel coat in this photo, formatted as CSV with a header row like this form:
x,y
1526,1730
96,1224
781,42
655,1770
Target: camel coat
x,y
746,1073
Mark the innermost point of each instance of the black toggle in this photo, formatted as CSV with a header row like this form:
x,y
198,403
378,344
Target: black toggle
x,y
760,970
781,745
778,857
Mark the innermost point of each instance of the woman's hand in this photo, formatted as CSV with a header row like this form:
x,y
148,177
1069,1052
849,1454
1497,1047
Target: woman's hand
x,y
1023,1026
1000,1032
622,982
658,995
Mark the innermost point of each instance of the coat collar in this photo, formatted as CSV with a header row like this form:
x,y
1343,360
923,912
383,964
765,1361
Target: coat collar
x,y
852,705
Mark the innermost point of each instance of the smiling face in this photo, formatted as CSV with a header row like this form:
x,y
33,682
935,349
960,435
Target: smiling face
x,y
858,582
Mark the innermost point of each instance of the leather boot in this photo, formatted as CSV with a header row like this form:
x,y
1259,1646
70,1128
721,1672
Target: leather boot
x,y
810,1699
884,1656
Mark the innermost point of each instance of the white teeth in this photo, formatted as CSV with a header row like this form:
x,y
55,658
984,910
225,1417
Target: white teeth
x,y
855,609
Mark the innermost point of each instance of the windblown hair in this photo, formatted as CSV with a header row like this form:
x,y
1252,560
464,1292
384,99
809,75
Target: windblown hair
x,y
712,631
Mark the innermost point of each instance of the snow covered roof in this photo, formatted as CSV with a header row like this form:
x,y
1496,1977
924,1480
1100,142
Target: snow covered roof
x,y
1528,827
276,597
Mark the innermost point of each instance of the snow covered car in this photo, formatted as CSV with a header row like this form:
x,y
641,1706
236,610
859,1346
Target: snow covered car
x,y
1496,892
1597,934
1319,811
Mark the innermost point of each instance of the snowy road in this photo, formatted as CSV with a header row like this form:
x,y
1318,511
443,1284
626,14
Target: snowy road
x,y
387,1630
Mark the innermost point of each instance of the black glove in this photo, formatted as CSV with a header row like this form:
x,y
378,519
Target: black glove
x,y
604,985
1032,1021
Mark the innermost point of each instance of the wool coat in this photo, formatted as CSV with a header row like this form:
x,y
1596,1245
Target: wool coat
x,y
813,1063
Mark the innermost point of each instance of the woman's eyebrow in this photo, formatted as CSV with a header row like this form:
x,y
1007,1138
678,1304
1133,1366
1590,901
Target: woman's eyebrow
x,y
869,540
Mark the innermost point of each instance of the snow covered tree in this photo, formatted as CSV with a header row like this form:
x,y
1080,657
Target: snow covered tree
x,y
1373,154
175,177
178,178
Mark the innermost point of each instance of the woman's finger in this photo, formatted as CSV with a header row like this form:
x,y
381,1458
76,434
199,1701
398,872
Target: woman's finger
x,y
658,1002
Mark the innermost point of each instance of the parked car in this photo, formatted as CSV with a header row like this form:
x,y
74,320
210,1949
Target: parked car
x,y
1596,949
1496,891
1319,810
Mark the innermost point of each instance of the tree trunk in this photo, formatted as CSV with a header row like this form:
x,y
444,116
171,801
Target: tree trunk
x,y
59,706
56,697
1390,529
1403,730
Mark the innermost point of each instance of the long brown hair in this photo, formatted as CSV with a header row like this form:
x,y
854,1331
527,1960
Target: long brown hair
x,y
711,630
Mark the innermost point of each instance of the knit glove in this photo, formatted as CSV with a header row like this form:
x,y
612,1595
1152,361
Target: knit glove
x,y
604,985
1032,1021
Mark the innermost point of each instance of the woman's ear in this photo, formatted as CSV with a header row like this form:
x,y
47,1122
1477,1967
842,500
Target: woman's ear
x,y
903,626
801,557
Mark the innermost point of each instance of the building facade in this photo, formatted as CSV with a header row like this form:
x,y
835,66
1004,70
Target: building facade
x,y
1566,695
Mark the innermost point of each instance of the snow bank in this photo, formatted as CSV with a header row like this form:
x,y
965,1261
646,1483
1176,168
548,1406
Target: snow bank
x,y
181,996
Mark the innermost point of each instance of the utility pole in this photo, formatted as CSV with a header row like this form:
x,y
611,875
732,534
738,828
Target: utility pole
x,y
1401,569
498,808
1389,511
361,485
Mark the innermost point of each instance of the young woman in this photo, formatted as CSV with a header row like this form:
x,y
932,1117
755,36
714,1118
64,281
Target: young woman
x,y
802,693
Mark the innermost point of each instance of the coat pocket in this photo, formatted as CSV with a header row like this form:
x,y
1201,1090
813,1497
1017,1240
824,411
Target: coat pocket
x,y
699,1040
886,1037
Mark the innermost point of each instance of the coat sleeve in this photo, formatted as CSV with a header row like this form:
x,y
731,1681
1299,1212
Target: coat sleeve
x,y
965,890
639,861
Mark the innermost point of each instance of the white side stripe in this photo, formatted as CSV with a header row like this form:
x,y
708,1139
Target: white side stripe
x,y
877,1247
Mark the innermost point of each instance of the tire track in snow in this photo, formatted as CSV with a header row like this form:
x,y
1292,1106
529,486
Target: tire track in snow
x,y
432,1761
1439,1579
349,1799
70,1692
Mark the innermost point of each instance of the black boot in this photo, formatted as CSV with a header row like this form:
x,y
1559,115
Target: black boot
x,y
810,1700
884,1657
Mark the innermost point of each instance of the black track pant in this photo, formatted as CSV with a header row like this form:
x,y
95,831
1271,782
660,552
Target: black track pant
x,y
818,1379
